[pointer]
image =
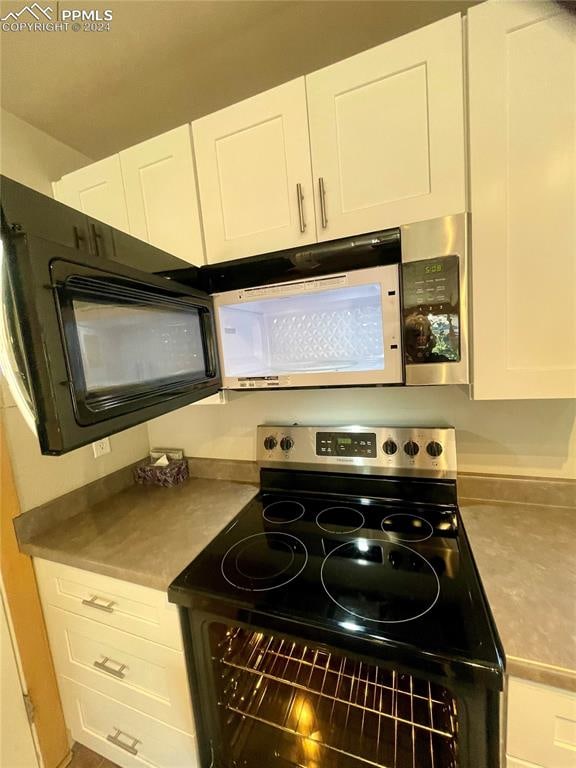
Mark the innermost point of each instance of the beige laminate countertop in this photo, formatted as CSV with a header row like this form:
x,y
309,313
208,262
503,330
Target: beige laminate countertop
x,y
145,535
525,554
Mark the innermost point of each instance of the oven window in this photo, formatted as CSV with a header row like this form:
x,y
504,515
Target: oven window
x,y
123,345
431,310
285,704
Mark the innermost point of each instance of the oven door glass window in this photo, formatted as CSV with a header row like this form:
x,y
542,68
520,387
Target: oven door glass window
x,y
431,310
290,705
129,348
130,345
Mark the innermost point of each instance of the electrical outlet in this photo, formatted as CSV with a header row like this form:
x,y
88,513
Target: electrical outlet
x,y
100,447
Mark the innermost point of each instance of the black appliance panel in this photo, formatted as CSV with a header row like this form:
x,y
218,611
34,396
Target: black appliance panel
x,y
431,310
47,279
257,708
346,444
374,249
378,581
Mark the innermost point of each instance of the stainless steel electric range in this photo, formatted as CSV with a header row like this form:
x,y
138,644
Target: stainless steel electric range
x,y
339,620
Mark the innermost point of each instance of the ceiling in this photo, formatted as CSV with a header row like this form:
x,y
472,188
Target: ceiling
x,y
167,62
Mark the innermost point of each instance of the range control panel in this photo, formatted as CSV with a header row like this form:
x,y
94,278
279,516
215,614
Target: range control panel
x,y
346,444
427,451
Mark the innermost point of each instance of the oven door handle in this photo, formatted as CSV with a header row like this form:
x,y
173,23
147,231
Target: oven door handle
x,y
8,340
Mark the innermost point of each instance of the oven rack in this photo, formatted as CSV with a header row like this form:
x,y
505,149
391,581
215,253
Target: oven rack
x,y
332,703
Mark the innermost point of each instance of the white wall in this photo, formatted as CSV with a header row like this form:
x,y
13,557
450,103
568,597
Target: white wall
x,y
521,437
36,159
32,157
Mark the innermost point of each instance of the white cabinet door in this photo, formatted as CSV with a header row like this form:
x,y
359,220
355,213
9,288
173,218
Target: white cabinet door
x,y
253,162
387,133
522,61
96,190
541,726
160,184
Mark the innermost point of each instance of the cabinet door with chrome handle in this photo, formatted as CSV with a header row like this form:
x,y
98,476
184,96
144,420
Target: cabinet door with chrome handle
x,y
254,173
387,132
123,734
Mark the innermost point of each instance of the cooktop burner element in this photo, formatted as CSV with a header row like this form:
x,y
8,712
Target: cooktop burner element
x,y
378,581
404,527
340,520
264,561
284,511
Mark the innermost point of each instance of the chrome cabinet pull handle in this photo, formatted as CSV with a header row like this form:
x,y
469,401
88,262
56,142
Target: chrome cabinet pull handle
x,y
114,738
93,603
300,196
322,191
103,665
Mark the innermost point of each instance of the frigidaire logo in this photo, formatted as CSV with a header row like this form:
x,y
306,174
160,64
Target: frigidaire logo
x,y
38,18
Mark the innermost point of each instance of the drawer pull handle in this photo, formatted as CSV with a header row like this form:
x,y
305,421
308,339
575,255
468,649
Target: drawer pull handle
x,y
114,738
102,606
103,665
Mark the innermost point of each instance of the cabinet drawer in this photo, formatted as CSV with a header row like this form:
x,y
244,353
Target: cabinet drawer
x,y
123,735
149,677
139,610
541,726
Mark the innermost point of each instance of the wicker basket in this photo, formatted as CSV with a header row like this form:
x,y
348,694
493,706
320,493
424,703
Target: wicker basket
x,y
174,473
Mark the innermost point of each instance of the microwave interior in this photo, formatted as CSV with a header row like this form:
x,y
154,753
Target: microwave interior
x,y
337,330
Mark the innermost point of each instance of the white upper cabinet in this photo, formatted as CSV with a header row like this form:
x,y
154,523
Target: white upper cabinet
x,y
522,62
160,185
98,191
387,133
253,163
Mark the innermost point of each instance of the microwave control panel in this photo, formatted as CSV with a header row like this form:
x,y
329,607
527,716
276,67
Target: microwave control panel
x,y
346,444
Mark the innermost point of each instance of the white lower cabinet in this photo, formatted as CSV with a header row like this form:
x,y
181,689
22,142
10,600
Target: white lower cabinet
x,y
119,657
541,726
145,675
122,734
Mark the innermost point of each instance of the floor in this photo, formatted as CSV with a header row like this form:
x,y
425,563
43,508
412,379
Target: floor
x,y
82,757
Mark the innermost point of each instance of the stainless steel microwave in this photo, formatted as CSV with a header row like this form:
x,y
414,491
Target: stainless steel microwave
x,y
100,331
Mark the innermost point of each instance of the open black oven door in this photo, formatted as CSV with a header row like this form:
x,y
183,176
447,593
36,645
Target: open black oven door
x,y
91,347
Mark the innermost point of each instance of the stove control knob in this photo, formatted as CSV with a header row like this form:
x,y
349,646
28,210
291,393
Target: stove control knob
x,y
411,448
270,443
389,447
286,443
434,449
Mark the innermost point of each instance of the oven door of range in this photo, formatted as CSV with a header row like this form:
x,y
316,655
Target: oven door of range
x,y
95,346
271,693
335,330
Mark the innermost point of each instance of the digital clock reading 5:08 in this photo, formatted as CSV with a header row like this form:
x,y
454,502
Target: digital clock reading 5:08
x,y
432,268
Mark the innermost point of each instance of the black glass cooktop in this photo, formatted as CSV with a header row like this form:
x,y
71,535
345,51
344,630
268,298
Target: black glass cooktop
x,y
384,571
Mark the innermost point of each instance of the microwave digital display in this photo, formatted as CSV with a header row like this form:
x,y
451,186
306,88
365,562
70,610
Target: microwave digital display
x,y
431,310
